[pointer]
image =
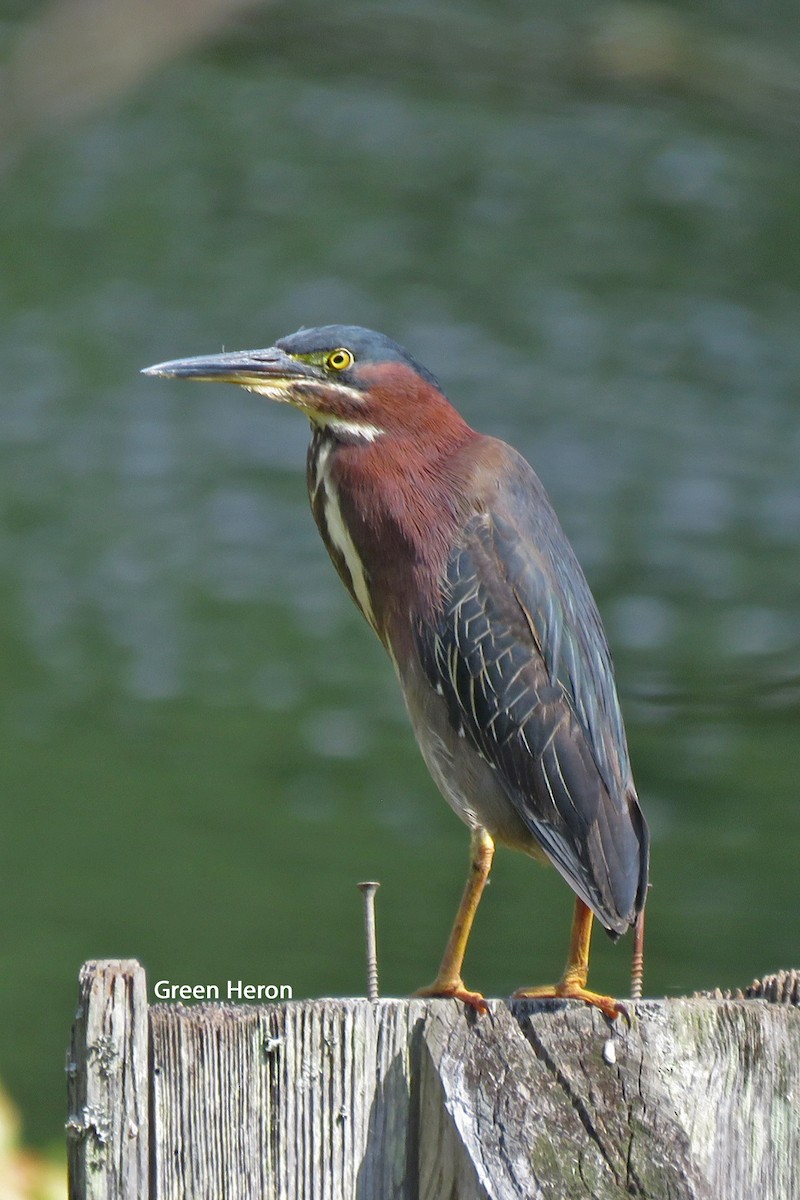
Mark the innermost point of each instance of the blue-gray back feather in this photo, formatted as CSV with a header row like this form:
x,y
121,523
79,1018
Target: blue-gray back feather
x,y
519,654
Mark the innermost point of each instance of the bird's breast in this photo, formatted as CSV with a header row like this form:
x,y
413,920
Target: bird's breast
x,y
387,517
327,509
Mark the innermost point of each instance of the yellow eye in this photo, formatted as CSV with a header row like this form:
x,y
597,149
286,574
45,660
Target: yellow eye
x,y
339,360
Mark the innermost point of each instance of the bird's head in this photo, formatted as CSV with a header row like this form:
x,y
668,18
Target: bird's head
x,y
358,384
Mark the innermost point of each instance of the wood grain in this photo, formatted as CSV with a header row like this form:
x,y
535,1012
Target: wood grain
x,y
107,1084
421,1100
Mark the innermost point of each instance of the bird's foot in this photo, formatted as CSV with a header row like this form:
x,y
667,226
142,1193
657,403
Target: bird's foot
x,y
570,989
454,989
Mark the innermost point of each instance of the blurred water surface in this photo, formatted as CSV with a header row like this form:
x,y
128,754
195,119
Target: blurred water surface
x,y
202,749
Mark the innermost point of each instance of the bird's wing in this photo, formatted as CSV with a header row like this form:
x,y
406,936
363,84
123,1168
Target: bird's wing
x,y
519,655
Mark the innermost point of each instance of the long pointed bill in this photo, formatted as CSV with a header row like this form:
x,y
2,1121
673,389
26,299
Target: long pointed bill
x,y
270,372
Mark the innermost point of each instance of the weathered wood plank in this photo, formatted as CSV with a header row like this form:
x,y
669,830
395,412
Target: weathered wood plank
x,y
732,1071
699,1099
296,1100
107,1085
341,1099
548,1104
422,1100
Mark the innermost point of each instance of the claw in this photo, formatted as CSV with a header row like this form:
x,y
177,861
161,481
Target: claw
x,y
454,990
572,991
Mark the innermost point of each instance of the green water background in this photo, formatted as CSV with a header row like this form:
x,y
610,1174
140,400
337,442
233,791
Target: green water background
x,y
592,239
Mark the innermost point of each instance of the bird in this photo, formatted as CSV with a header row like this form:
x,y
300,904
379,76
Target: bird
x,y
449,546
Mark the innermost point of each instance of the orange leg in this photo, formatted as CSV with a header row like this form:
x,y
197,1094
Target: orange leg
x,y
448,981
572,985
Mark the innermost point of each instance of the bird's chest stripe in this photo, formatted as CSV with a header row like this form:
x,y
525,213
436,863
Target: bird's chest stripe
x,y
325,499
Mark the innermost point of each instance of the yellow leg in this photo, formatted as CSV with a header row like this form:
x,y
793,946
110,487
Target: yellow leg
x,y
448,981
572,985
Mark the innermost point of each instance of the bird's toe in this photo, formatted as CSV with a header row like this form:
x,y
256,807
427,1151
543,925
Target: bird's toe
x,y
610,1007
453,989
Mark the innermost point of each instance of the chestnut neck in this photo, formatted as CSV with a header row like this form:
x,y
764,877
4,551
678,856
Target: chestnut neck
x,y
401,495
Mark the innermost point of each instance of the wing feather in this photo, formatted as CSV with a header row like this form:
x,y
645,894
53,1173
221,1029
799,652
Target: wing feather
x,y
519,654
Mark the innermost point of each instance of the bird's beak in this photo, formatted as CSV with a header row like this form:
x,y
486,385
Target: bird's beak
x,y
271,371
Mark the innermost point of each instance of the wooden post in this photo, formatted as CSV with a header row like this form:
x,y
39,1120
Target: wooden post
x,y
107,1084
422,1100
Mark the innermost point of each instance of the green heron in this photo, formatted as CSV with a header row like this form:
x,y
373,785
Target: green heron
x,y
448,544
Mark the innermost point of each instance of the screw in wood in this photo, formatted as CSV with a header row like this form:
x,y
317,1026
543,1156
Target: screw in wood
x,y
637,961
368,891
